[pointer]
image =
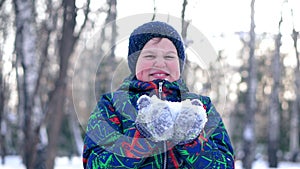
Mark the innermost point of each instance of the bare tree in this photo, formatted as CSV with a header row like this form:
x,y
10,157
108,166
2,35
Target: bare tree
x,y
184,24
249,130
3,34
25,46
184,27
108,64
154,10
57,99
274,125
2,100
1,3
294,124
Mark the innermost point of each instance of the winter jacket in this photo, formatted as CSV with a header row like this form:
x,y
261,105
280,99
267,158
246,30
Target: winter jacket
x,y
113,141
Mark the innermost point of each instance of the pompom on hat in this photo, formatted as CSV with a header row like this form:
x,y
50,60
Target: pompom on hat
x,y
155,29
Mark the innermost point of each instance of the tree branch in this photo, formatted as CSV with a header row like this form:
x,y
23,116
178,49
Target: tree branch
x,y
154,10
184,25
1,3
86,12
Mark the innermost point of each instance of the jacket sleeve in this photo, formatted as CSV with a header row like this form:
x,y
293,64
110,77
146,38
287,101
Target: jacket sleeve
x,y
107,145
212,149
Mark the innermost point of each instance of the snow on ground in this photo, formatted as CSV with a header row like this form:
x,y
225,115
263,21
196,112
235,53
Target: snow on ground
x,y
13,162
261,164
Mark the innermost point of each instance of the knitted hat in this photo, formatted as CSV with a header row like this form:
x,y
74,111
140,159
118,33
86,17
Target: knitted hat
x,y
156,29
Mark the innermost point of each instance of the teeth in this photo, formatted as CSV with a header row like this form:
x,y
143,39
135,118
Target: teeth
x,y
160,75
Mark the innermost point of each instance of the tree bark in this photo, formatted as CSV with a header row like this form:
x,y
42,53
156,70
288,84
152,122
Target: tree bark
x,y
154,11
184,27
249,130
2,101
184,24
274,124
108,64
57,100
75,130
111,21
294,125
1,3
25,46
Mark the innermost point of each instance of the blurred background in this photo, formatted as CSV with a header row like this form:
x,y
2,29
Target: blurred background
x,y
58,56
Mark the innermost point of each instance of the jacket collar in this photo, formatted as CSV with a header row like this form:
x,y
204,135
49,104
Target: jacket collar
x,y
170,90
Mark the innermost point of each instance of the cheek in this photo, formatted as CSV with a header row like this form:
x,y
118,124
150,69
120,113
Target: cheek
x,y
175,67
141,66
142,74
141,69
175,71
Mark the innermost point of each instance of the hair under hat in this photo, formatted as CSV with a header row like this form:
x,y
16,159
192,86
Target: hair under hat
x,y
156,29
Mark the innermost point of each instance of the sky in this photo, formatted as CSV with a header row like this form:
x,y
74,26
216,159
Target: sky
x,y
217,16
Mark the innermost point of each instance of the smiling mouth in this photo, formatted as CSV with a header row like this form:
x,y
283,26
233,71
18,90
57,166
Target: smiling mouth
x,y
159,75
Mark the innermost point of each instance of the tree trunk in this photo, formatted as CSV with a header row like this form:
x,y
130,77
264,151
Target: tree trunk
x,y
2,118
3,133
57,100
25,45
1,3
274,124
184,27
184,24
2,101
111,19
249,131
294,125
75,130
108,64
154,11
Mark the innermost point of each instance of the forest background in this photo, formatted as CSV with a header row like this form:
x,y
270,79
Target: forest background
x,y
58,56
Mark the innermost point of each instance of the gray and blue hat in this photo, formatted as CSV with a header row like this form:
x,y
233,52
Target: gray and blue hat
x,y
155,29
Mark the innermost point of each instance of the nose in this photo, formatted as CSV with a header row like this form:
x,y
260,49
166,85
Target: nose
x,y
159,62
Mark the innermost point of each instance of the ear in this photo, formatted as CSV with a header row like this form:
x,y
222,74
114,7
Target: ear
x,y
196,102
143,101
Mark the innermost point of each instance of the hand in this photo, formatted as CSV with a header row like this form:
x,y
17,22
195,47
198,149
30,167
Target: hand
x,y
154,119
189,122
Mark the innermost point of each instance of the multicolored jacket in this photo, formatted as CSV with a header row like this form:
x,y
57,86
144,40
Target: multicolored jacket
x,y
112,140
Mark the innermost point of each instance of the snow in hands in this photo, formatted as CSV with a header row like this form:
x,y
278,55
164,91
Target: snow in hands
x,y
162,120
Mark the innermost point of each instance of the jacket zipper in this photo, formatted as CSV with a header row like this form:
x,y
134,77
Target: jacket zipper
x,y
160,85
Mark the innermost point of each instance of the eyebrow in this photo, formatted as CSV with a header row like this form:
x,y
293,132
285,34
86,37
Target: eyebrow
x,y
172,52
152,52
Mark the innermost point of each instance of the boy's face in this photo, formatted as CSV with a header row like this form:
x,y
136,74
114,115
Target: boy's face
x,y
158,60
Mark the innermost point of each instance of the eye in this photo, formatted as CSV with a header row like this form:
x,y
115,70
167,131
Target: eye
x,y
170,57
149,56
